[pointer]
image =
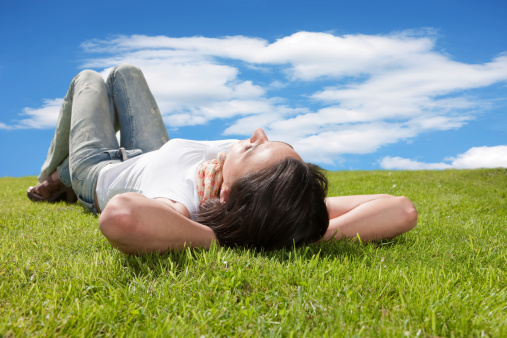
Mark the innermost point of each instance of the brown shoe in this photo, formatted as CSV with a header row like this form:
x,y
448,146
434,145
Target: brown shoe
x,y
51,191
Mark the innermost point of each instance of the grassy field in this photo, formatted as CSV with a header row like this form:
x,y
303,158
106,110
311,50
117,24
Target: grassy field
x,y
59,276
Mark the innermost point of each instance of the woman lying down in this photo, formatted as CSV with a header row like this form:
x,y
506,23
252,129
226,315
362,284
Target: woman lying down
x,y
156,194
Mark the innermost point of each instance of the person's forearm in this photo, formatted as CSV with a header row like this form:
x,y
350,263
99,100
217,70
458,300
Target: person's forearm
x,y
340,205
135,224
374,219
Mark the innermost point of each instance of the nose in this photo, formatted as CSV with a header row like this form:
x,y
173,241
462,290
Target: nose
x,y
258,136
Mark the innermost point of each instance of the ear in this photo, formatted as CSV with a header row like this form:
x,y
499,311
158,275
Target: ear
x,y
224,193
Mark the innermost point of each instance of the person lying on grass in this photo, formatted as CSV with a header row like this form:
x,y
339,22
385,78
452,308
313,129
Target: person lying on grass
x,y
156,194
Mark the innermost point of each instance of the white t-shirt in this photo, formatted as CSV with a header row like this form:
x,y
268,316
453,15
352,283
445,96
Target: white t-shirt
x,y
168,172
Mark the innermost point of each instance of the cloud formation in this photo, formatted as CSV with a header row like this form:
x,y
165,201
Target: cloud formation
x,y
38,118
351,93
477,157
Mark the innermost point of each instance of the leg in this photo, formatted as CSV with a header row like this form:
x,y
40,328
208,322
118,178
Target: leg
x,y
89,115
85,128
92,140
55,176
58,153
140,122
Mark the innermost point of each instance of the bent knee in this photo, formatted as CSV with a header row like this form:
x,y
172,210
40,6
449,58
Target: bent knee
x,y
88,80
126,69
88,75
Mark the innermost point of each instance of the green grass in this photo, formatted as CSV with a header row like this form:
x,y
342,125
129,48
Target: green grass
x,y
59,276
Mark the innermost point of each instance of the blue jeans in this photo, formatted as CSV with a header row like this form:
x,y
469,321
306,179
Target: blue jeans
x,y
91,114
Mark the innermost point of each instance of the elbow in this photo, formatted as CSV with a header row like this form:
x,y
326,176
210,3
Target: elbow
x,y
409,214
117,222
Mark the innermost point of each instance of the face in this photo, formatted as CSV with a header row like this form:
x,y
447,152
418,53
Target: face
x,y
253,154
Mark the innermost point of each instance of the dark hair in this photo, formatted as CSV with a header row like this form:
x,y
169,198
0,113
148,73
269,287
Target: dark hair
x,y
273,208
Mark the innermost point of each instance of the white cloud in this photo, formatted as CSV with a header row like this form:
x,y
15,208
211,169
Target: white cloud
x,y
247,89
5,126
350,139
328,95
178,120
438,122
38,118
477,157
482,157
271,113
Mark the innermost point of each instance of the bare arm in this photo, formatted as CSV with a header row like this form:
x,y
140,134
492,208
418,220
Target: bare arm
x,y
372,217
133,223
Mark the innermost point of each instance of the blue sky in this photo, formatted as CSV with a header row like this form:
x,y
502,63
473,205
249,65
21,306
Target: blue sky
x,y
351,84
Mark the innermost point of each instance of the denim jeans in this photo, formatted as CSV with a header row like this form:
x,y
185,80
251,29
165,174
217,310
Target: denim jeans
x,y
91,114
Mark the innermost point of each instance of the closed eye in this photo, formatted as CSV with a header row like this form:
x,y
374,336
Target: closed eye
x,y
248,146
